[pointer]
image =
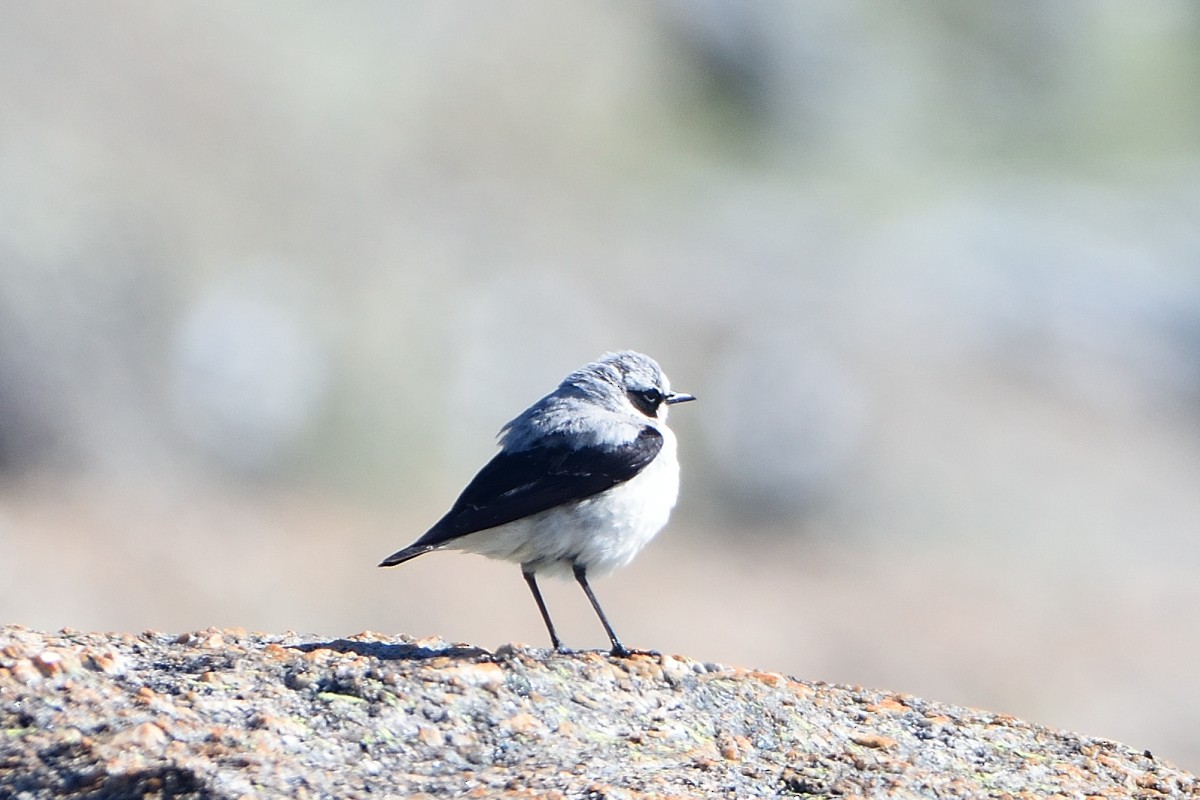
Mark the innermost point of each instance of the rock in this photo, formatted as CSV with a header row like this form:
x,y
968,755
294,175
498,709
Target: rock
x,y
229,714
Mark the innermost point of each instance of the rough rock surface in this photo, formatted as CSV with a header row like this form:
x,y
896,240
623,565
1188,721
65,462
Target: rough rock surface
x,y
230,714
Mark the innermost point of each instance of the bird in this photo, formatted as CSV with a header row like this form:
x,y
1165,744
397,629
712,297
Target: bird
x,y
584,478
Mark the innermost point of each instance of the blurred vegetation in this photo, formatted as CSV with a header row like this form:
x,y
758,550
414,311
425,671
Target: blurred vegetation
x,y
931,267
340,245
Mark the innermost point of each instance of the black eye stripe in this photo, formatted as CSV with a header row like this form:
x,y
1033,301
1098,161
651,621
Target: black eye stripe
x,y
646,401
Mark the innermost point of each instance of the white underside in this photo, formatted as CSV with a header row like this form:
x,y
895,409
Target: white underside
x,y
602,533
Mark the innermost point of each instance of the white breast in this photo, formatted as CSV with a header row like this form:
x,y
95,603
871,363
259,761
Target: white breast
x,y
602,533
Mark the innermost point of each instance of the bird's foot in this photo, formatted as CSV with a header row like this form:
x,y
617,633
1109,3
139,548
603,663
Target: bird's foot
x,y
621,651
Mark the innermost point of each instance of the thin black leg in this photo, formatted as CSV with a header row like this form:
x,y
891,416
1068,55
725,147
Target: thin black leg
x,y
541,604
618,649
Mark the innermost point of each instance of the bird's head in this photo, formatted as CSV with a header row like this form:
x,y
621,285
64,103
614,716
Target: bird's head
x,y
634,379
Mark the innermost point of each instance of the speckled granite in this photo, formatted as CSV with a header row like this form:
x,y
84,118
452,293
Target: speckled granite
x,y
231,714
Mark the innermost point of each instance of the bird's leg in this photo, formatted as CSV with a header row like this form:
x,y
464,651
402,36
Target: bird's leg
x,y
618,649
531,579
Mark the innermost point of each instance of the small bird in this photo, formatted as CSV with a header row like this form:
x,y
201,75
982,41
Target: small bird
x,y
585,477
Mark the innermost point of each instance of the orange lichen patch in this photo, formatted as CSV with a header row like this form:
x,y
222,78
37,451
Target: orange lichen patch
x,y
52,663
24,672
523,723
732,748
800,690
109,662
888,704
769,678
431,737
274,651
874,740
486,675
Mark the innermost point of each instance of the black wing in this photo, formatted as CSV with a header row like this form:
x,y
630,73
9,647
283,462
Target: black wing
x,y
516,485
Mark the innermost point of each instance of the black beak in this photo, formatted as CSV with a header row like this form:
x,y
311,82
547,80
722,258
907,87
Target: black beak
x,y
678,397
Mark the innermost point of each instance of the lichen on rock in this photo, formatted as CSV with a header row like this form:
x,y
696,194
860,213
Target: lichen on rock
x,y
232,714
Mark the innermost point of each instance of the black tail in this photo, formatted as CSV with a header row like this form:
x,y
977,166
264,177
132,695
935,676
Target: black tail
x,y
400,556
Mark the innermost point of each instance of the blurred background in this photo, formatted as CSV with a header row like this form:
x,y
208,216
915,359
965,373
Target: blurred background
x,y
272,275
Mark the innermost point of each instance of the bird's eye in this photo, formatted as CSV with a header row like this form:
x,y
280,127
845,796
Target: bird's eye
x,y
646,401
